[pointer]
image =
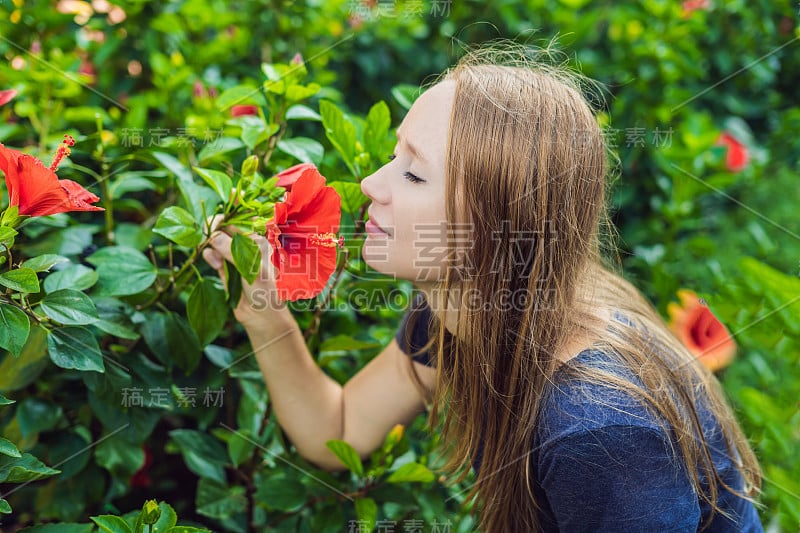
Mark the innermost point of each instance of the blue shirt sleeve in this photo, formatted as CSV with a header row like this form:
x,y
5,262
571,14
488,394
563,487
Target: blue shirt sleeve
x,y
616,478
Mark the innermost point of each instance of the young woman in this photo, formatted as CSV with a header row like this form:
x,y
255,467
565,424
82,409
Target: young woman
x,y
555,379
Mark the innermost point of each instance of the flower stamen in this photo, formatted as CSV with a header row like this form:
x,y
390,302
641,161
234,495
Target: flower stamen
x,y
63,151
328,240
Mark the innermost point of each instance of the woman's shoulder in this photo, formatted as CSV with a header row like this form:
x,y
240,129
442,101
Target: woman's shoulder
x,y
574,404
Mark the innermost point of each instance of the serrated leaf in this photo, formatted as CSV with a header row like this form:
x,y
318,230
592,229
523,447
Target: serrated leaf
x,y
281,493
411,472
178,225
122,271
304,149
219,181
20,280
217,500
75,347
351,195
204,455
15,327
207,310
347,455
70,307
22,469
44,262
246,257
111,524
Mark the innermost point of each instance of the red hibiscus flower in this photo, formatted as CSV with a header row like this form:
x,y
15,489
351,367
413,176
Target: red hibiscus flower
x,y
7,95
737,156
303,235
701,332
240,110
287,178
690,6
36,189
140,477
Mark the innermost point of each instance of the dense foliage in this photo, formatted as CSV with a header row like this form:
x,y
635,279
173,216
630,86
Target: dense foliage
x,y
123,376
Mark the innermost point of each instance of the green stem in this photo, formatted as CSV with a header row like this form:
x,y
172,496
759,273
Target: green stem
x,y
108,201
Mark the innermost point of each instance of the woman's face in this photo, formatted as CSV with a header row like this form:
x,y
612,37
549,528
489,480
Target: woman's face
x,y
408,194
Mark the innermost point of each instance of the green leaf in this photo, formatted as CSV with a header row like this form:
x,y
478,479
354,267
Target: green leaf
x,y
281,493
111,524
10,216
119,456
345,343
173,340
295,93
219,146
246,257
77,277
178,225
22,469
35,415
75,347
378,122
187,529
207,310
4,507
7,234
340,131
122,271
20,280
7,448
304,149
411,472
216,500
301,112
16,374
239,95
406,94
61,527
44,262
219,181
240,446
14,328
6,401
367,511
204,455
347,455
351,195
70,307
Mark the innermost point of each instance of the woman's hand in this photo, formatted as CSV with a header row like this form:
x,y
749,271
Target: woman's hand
x,y
259,306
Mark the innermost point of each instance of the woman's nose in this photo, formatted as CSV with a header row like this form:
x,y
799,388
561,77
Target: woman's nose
x,y
374,189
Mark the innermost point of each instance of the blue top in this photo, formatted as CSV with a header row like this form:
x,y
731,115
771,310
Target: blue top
x,y
602,462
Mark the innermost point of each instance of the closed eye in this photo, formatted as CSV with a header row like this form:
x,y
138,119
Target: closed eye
x,y
412,178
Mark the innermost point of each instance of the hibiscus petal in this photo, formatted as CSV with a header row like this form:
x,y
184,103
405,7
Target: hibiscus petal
x,y
39,190
288,177
7,95
305,270
79,198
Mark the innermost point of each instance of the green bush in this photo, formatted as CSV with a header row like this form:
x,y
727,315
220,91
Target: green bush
x,y
116,389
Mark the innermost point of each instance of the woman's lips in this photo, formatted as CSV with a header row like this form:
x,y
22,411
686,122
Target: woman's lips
x,y
374,229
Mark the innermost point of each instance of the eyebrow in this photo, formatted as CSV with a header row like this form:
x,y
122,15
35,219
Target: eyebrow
x,y
411,148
